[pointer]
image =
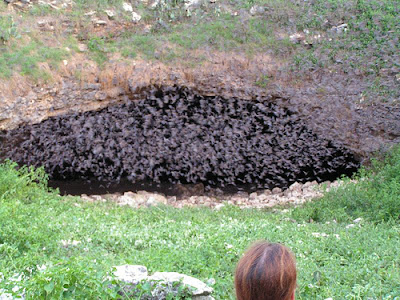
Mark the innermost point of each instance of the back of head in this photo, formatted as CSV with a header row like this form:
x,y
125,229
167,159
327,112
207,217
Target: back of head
x,y
267,271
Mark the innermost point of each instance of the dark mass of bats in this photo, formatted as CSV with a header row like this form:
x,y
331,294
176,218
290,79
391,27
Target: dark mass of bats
x,y
175,135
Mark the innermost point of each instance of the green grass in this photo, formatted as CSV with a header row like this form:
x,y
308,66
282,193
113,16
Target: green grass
x,y
334,260
24,59
375,196
367,50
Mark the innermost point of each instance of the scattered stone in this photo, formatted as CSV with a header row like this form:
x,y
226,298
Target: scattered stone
x,y
310,184
141,198
192,4
110,13
219,206
340,28
295,187
57,4
42,23
257,10
100,22
276,191
253,196
297,38
90,13
136,17
82,47
298,195
127,7
155,4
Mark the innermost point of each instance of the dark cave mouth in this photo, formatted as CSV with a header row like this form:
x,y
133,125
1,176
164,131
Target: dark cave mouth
x,y
172,136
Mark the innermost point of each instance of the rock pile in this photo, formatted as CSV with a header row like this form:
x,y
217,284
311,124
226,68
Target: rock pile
x,y
296,194
178,136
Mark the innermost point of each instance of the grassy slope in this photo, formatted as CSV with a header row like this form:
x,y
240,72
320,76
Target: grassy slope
x,y
334,260
369,49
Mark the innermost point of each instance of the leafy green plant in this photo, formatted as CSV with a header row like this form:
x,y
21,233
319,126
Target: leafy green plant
x,y
8,29
98,48
74,279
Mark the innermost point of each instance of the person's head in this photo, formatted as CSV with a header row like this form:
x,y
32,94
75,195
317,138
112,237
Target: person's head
x,y
267,271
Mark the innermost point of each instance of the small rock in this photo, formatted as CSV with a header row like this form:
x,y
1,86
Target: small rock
x,y
192,3
100,22
267,192
42,23
253,196
257,10
90,13
97,197
127,7
100,96
297,38
136,17
262,198
110,13
287,193
151,202
155,4
82,47
340,28
219,206
276,191
86,198
358,220
296,194
296,187
310,184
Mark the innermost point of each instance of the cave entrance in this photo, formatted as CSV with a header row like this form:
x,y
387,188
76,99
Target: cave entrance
x,y
176,136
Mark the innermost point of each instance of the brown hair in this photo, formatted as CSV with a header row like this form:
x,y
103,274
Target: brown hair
x,y
267,271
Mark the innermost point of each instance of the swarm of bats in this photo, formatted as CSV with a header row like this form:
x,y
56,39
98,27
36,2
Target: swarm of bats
x,y
176,135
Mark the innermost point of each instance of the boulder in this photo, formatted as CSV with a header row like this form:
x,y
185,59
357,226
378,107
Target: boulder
x,y
162,283
131,273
